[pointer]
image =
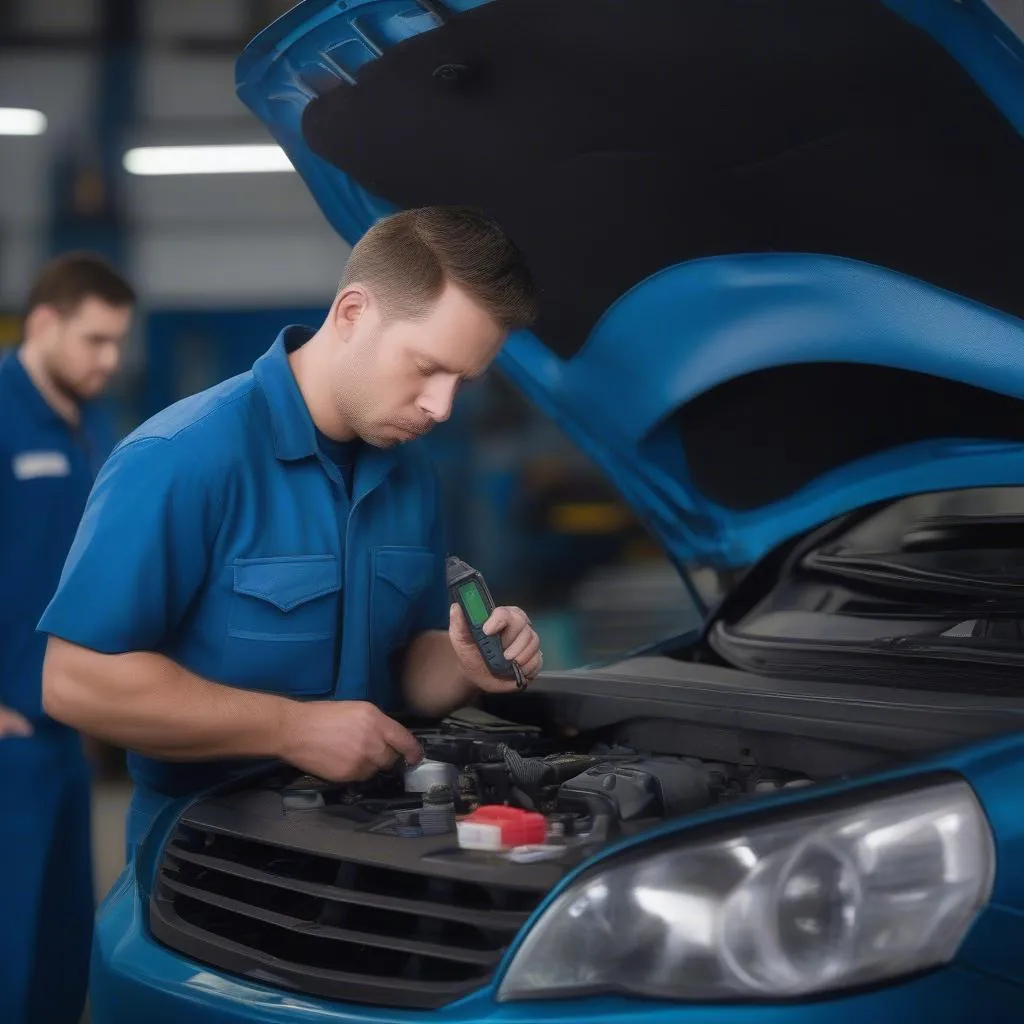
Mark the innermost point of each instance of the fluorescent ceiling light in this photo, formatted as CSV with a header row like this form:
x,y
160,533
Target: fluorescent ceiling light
x,y
206,160
21,121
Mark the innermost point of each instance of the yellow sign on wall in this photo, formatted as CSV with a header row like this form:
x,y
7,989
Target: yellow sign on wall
x,y
10,329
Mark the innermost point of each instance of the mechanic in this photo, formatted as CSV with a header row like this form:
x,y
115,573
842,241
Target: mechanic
x,y
259,572
53,439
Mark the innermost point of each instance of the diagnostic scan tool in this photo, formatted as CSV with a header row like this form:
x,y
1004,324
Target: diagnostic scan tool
x,y
467,588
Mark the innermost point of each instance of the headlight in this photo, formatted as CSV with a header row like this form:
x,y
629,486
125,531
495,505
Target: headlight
x,y
809,904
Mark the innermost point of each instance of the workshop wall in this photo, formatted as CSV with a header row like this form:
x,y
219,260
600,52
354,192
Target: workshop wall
x,y
60,84
225,239
189,240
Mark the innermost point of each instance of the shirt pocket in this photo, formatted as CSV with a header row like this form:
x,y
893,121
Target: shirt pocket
x,y
402,576
284,622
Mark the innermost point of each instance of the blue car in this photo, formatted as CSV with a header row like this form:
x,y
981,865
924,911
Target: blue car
x,y
779,247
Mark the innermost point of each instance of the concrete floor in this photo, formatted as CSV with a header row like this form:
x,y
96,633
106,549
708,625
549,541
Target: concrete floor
x,y
109,801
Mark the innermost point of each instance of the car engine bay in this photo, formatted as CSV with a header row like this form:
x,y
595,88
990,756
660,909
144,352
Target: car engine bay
x,y
405,890
553,799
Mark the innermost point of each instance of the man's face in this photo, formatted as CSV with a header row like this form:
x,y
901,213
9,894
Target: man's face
x,y
402,375
82,349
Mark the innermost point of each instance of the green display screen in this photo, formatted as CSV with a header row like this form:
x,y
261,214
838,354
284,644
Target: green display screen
x,y
473,601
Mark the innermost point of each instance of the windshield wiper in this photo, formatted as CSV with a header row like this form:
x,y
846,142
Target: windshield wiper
x,y
985,574
928,663
976,555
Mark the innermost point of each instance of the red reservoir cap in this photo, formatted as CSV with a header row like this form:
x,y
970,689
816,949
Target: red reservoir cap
x,y
496,827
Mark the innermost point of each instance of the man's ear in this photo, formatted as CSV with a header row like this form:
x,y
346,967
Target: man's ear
x,y
350,304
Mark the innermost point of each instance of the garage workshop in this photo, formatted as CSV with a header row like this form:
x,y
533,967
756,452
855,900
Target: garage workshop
x,y
511,511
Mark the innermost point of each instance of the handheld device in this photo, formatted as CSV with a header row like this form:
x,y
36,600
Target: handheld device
x,y
467,588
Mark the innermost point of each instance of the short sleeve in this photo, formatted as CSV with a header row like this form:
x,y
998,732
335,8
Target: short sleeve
x,y
140,553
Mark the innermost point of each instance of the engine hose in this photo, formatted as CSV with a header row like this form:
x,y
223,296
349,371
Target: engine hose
x,y
528,773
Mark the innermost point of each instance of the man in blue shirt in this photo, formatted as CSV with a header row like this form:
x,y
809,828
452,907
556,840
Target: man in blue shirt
x,y
259,572
53,440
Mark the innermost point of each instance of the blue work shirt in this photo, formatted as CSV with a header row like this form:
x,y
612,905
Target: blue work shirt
x,y
343,454
46,469
220,535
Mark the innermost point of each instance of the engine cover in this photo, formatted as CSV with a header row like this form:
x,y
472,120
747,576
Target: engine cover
x,y
636,789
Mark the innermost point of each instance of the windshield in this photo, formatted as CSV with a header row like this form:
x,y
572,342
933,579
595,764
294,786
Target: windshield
x,y
959,549
919,593
1011,13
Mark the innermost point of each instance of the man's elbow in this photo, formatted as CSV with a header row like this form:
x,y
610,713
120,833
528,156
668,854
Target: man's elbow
x,y
61,686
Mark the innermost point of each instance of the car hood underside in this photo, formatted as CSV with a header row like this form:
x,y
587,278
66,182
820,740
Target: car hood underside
x,y
777,245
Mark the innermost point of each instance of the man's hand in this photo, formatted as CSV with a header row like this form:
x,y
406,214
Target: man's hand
x,y
519,642
13,724
344,741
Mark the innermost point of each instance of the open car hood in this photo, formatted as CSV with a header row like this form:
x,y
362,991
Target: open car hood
x,y
778,245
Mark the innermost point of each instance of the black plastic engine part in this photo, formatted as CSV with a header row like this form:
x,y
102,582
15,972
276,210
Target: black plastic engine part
x,y
620,790
683,787
639,789
531,774
365,814
723,782
475,719
470,748
562,767
561,824
526,772
490,783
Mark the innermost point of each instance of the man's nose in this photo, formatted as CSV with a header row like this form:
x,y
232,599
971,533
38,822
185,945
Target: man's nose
x,y
110,358
437,401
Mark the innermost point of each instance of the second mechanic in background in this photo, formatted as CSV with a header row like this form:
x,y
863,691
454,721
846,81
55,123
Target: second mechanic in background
x,y
53,439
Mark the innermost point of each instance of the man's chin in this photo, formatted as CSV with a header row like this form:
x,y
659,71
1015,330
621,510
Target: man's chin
x,y
380,440
392,436
83,391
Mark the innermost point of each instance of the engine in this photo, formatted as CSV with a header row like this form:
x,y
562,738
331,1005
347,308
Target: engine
x,y
509,789
407,889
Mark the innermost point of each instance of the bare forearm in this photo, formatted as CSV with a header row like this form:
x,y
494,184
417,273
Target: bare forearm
x,y
148,703
433,682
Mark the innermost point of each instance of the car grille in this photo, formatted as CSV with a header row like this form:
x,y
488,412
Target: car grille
x,y
330,927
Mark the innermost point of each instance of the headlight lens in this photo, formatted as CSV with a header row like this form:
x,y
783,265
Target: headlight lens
x,y
813,903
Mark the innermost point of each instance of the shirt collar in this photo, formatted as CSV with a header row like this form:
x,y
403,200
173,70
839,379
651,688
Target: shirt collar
x,y
36,404
291,424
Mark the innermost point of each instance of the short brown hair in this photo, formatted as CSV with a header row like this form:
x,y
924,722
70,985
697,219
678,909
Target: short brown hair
x,y
409,257
68,280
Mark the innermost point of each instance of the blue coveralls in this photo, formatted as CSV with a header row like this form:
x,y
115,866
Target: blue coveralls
x,y
220,534
46,881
